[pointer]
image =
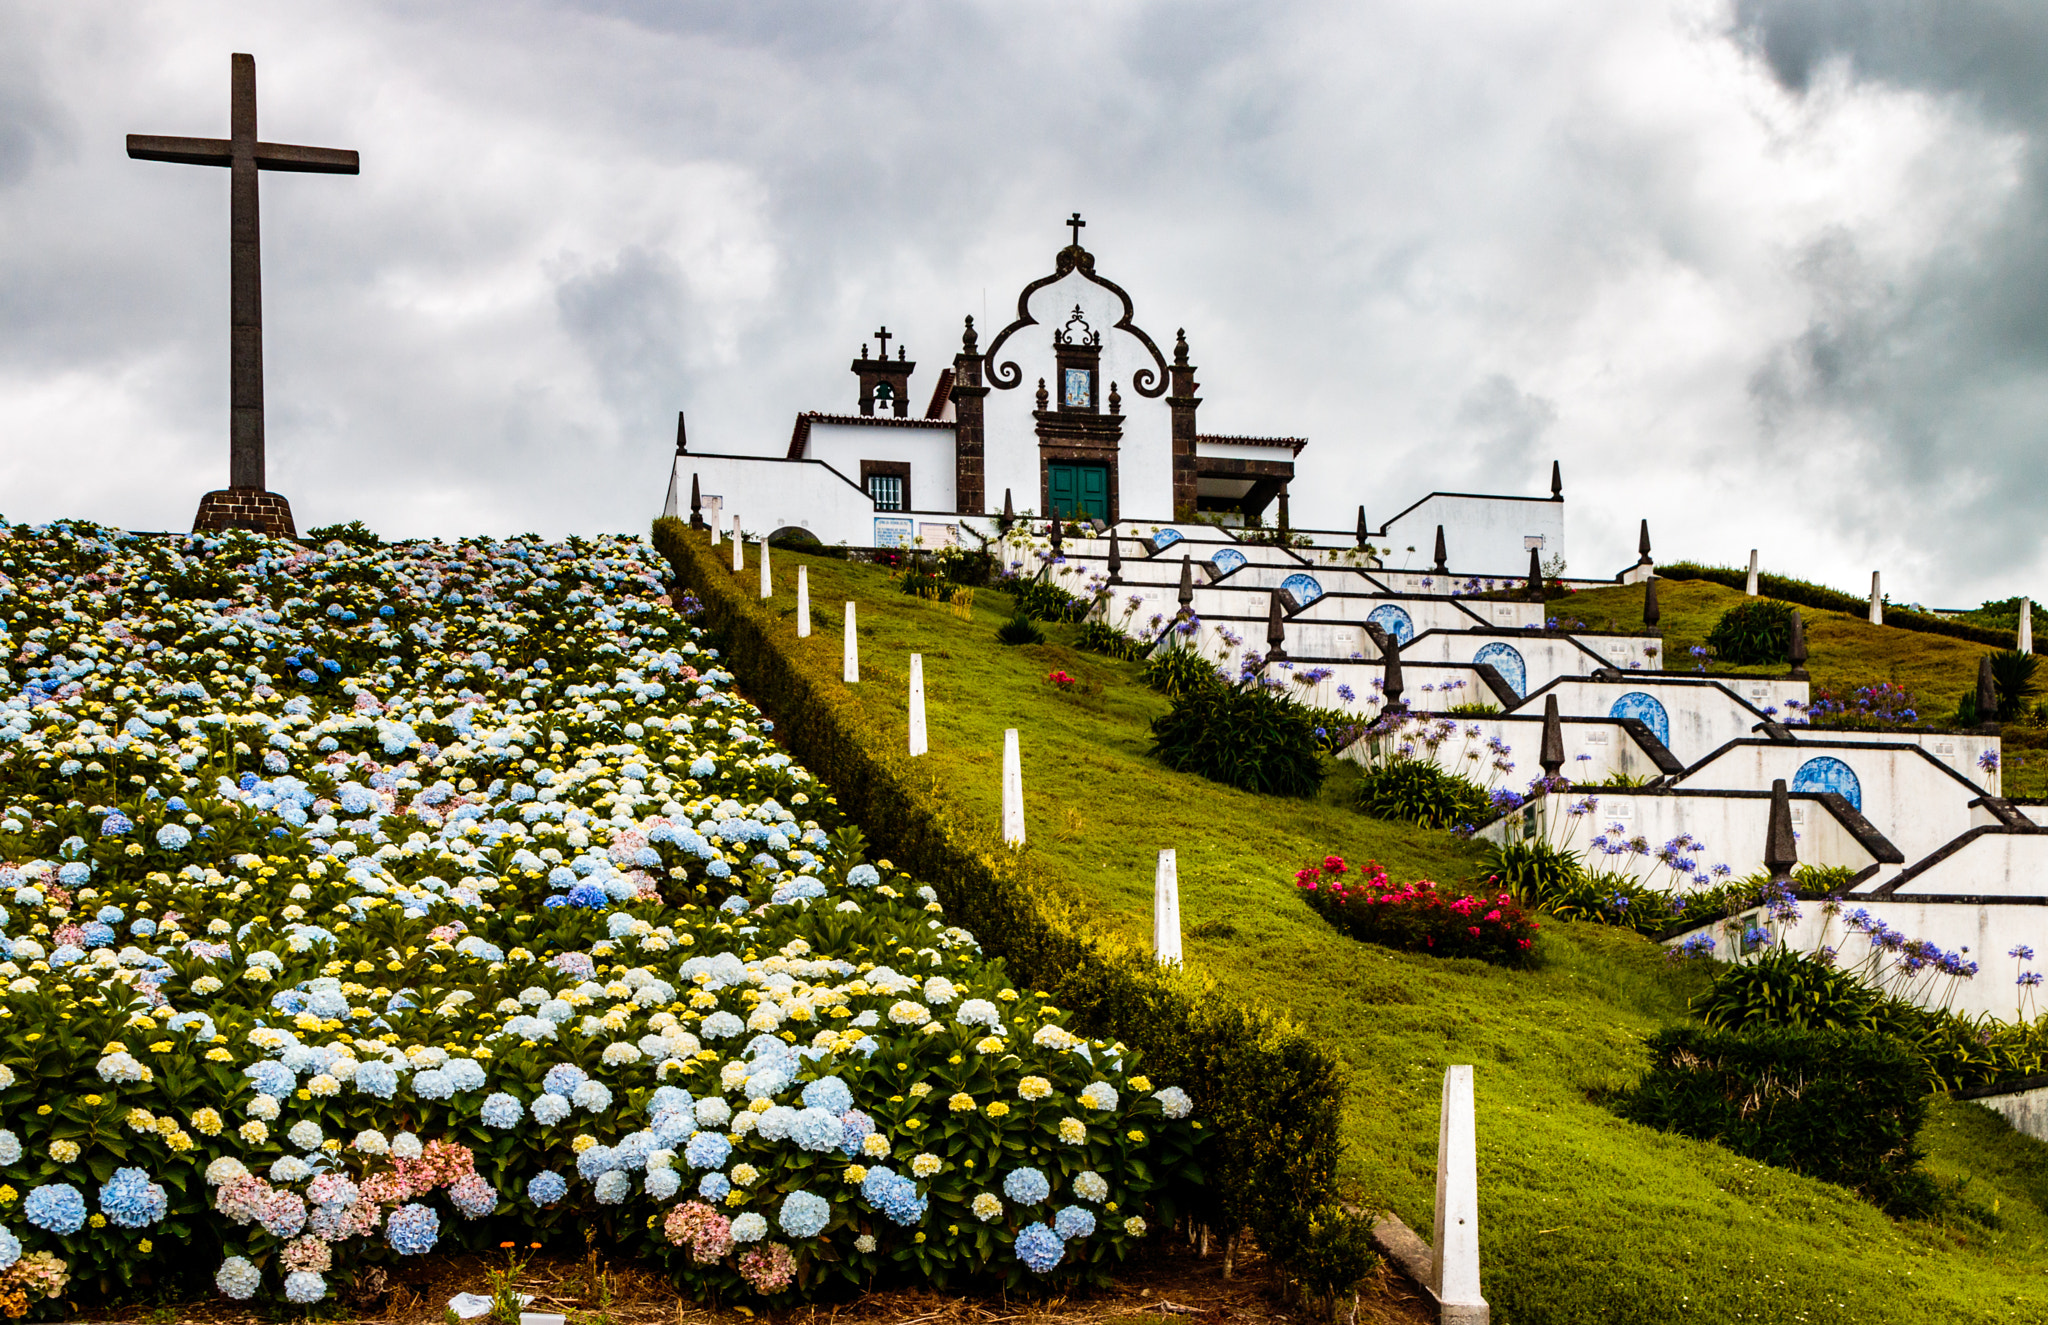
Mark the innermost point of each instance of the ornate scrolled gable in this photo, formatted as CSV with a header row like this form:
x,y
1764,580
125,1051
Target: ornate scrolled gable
x,y
1073,258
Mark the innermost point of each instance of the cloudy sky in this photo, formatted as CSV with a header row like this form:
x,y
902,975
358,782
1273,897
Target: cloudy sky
x,y
1768,272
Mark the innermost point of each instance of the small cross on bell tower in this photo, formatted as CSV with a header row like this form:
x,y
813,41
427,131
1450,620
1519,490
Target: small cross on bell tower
x,y
882,379
1076,224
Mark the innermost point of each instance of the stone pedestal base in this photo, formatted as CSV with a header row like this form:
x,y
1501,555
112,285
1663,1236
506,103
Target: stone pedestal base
x,y
245,508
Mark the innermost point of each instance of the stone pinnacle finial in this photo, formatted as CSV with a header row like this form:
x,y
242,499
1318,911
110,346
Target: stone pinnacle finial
x,y
1643,545
1651,613
1535,575
1987,696
1781,851
682,435
1043,399
1009,511
1180,347
1390,667
1116,559
1364,531
1552,757
967,338
1442,566
1187,583
696,503
1276,631
1556,482
1057,548
1795,647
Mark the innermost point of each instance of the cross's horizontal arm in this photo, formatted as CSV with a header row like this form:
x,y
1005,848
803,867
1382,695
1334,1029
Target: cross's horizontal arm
x,y
269,156
184,151
313,160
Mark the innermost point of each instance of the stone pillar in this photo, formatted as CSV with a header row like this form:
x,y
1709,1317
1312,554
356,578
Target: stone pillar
x,y
1013,791
970,476
1876,601
917,739
1166,911
850,669
767,579
739,548
1454,1268
2026,640
1181,403
803,602
1750,587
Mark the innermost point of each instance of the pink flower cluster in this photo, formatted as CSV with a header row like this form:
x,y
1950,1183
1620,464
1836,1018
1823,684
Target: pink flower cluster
x,y
707,1233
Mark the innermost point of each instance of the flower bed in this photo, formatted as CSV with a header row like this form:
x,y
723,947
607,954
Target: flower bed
x,y
1418,916
359,902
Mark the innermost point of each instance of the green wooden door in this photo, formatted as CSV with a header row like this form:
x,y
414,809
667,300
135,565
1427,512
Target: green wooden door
x,y
1078,490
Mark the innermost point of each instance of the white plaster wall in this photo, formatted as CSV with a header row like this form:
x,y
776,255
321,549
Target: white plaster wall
x,y
2026,1110
768,494
1236,450
1993,865
1592,750
928,452
1704,715
1145,460
1917,803
1482,535
1957,750
1732,827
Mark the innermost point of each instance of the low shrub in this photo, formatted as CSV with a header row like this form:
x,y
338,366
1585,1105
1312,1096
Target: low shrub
x,y
1534,870
1418,916
1785,987
1844,1106
1756,632
1042,600
2012,673
1175,671
1416,791
1019,629
1099,636
920,582
1613,898
354,534
1879,706
1248,735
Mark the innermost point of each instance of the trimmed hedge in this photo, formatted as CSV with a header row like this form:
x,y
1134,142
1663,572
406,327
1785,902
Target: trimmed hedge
x,y
1270,1095
1843,1106
1808,594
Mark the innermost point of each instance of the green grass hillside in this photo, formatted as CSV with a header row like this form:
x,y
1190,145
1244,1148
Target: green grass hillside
x,y
1584,1218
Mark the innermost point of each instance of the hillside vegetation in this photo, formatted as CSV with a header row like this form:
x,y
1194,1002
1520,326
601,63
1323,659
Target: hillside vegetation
x,y
1584,1217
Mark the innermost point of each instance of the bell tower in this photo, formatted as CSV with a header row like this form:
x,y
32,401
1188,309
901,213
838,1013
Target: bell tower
x,y
883,380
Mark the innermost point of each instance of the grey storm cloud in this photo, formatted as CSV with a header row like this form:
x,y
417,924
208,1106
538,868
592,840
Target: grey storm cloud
x,y
1712,255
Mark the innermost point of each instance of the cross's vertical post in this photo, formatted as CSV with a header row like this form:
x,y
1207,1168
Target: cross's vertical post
x,y
245,284
918,743
1454,1269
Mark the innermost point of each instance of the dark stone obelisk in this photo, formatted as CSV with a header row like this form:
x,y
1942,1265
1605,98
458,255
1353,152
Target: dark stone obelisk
x,y
247,502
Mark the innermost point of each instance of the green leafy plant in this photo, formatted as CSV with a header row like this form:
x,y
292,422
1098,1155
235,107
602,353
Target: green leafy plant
x,y
1485,923
355,534
1612,898
1756,632
1098,636
1248,735
2013,673
1176,671
1475,710
1328,1251
1785,987
1019,629
1042,600
1844,1106
1418,792
1534,870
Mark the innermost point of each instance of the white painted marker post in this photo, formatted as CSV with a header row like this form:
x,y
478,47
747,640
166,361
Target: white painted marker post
x,y
852,647
917,741
1876,602
739,560
717,530
803,602
767,581
1166,911
1013,791
1454,1266
2026,640
1750,588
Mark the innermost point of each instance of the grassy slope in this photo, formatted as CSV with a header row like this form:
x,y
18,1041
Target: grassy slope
x,y
1585,1218
1844,652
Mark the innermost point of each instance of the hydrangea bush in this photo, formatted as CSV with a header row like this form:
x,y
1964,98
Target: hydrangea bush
x,y
362,901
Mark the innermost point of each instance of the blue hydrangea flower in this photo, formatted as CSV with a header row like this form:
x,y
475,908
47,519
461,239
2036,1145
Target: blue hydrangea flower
x,y
613,1187
1039,1248
272,1078
661,1184
10,1248
550,1109
502,1111
546,1187
1026,1186
563,1079
377,1078
1074,1222
817,1129
176,837
595,1161
749,1227
894,1195
592,1097
707,1150
304,1286
432,1084
804,1214
830,1094
238,1277
863,876
55,1207
412,1230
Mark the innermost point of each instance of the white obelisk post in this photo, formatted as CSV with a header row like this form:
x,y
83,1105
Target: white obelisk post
x,y
717,530
739,560
1876,601
917,740
767,582
852,647
1166,911
2026,641
1454,1268
1750,588
1013,791
803,602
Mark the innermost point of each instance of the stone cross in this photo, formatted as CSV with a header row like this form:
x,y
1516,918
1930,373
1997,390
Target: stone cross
x,y
1454,1267
803,602
243,155
1166,910
1013,791
850,660
918,745
882,335
1076,224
